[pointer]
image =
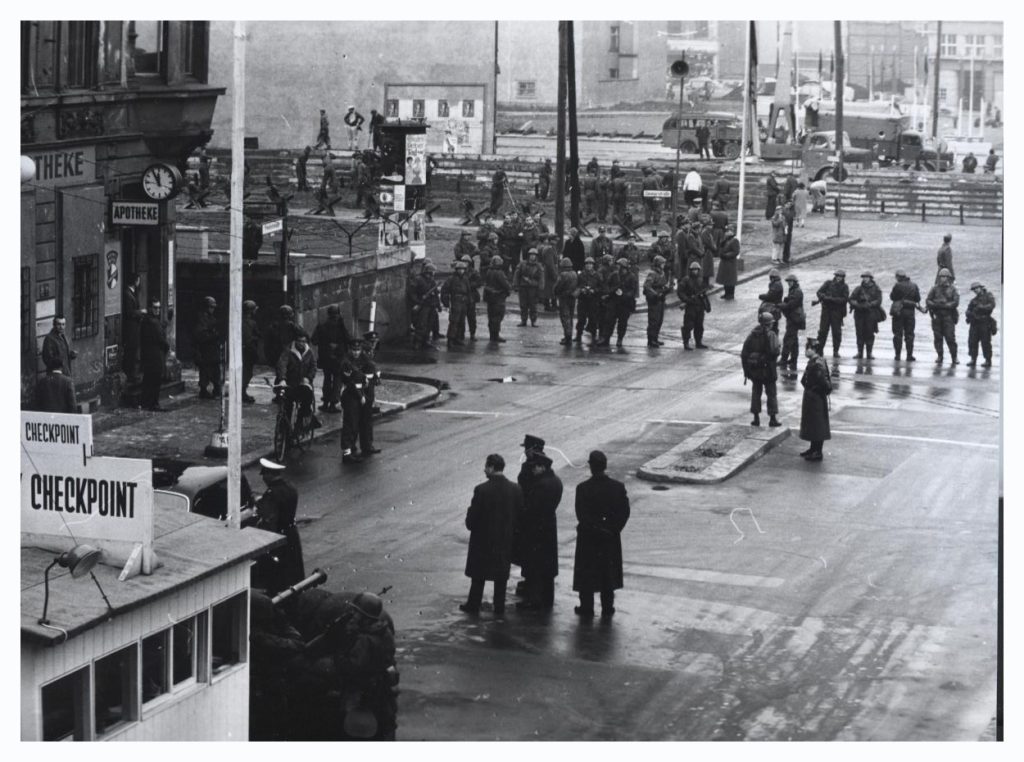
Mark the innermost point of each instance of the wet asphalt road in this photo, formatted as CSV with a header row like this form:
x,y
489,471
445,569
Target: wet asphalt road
x,y
853,599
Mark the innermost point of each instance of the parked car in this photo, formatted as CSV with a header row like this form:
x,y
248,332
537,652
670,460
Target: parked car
x,y
198,489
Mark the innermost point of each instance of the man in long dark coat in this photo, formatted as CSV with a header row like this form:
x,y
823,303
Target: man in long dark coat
x,y
132,315
539,531
153,348
833,296
772,186
573,248
331,341
728,270
275,512
491,523
55,392
814,427
56,347
866,303
250,346
602,510
906,301
496,291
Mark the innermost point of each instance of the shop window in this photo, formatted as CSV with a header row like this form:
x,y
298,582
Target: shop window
x,y
442,109
65,704
145,48
228,636
85,299
155,658
116,694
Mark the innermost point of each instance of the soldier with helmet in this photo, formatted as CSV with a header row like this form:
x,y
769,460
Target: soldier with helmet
x,y
656,288
528,280
457,298
866,303
759,357
250,346
549,262
942,303
772,298
833,297
710,246
906,301
982,324
424,302
693,300
496,291
601,244
663,248
944,258
792,308
631,252
590,289
207,340
464,246
565,290
621,288
476,280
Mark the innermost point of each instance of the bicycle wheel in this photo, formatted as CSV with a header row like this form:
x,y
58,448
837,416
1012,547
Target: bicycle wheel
x,y
282,435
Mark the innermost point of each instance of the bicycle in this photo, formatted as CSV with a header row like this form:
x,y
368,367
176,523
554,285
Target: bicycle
x,y
294,425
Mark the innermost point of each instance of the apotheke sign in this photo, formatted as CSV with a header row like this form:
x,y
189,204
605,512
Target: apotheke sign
x,y
134,213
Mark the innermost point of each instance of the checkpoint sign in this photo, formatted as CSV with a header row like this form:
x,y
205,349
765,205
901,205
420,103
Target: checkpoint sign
x,y
56,433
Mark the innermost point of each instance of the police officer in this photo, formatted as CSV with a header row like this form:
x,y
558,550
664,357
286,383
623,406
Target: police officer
x,y
566,290
728,271
275,512
656,288
464,245
496,291
833,297
589,296
759,357
906,300
792,308
601,244
366,365
621,303
457,298
353,399
942,303
979,317
866,302
693,301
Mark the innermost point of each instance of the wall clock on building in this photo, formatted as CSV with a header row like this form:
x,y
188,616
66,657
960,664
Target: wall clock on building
x,y
161,181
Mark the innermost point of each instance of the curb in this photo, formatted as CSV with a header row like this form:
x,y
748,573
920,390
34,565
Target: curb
x,y
253,457
755,444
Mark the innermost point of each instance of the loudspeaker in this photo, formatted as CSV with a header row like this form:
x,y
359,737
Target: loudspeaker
x,y
680,68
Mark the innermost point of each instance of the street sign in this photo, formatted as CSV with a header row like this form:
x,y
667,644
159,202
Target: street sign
x,y
56,433
274,226
657,194
135,212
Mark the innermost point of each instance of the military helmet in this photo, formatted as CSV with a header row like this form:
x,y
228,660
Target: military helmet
x,y
209,301
497,261
976,284
589,261
867,274
285,311
531,250
791,278
622,262
659,260
249,305
369,605
945,273
766,318
840,273
460,265
694,266
565,262
774,273
900,274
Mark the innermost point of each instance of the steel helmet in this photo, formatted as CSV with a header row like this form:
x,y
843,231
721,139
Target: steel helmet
x,y
497,261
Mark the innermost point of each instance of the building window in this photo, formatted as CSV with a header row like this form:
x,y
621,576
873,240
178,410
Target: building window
x,y
997,46
80,53
974,45
43,44
526,89
116,689
26,310
613,74
85,301
948,45
184,642
192,48
145,48
468,109
942,94
442,109
155,653
228,632
65,704
613,43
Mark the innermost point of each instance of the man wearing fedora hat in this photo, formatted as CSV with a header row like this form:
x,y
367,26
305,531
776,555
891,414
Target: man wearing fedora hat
x,y
537,530
602,510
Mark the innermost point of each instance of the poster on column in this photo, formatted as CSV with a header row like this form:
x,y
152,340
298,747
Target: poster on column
x,y
416,230
415,159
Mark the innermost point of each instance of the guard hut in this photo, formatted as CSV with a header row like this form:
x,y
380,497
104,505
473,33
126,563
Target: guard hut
x,y
134,621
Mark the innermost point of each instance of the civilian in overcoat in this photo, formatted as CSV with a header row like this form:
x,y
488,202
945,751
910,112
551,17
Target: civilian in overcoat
x,y
491,523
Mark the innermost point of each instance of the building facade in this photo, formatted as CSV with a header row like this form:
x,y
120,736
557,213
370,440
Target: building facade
x,y
102,102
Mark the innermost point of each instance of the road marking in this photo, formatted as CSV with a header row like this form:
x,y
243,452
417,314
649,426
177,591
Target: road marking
x,y
466,412
742,535
926,440
672,420
703,575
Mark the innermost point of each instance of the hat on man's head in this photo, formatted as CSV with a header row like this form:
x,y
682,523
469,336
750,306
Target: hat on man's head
x,y
460,265
268,466
867,274
530,442
766,317
573,231
209,300
694,266
538,459
976,284
622,262
792,278
663,234
901,274
774,273
840,273
597,458
371,336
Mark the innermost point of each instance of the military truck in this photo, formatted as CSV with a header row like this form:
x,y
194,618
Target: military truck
x,y
818,154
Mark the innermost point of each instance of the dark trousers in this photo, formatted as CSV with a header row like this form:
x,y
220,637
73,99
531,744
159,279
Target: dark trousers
x,y
422,325
980,332
566,308
149,395
770,390
495,314
864,325
471,319
332,387
903,325
366,425
587,600
209,373
527,304
541,590
586,316
655,317
790,346
693,324
351,409
616,320
476,594
457,321
830,319
496,200
729,292
944,329
248,361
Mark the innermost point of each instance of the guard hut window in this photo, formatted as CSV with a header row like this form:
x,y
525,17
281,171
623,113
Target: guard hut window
x,y
116,694
85,300
192,47
65,705
183,651
228,637
155,658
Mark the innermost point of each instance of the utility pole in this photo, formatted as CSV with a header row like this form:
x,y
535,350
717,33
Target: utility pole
x,y
935,99
494,94
839,122
235,281
560,147
574,147
679,68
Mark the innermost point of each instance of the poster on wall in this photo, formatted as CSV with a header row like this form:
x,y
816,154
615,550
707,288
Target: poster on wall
x,y
112,278
417,234
415,159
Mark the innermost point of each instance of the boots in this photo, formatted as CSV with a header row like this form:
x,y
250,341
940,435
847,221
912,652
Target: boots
x,y
773,421
756,421
579,338
910,351
973,361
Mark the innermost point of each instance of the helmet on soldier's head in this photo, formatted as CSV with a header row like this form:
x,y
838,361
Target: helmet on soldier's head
x,y
773,273
492,236
662,234
460,266
285,311
867,274
976,284
369,605
658,261
209,301
765,318
791,278
249,305
531,250
621,262
840,273
900,274
466,258
945,273
428,267
694,266
607,259
497,261
589,261
565,262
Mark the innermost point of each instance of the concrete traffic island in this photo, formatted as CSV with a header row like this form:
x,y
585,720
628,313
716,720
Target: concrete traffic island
x,y
713,454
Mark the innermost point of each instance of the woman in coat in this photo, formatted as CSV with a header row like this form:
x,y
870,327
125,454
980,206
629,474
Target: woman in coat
x,y
728,253
817,385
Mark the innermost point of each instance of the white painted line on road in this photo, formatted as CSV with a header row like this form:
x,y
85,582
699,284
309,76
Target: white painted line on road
x,y
703,575
925,440
742,535
671,420
465,412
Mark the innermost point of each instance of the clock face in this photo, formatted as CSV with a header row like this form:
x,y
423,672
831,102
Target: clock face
x,y
160,182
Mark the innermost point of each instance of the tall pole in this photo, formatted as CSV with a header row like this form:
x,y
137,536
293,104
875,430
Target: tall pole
x,y
745,135
840,67
574,146
970,100
235,281
679,133
935,98
494,96
560,145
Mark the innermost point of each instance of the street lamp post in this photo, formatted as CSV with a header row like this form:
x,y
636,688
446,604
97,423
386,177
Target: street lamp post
x,y
679,69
